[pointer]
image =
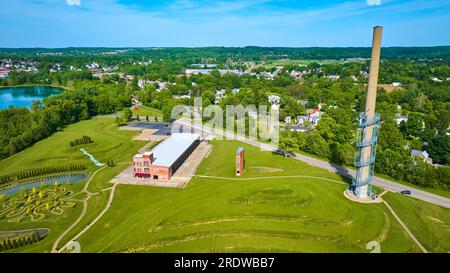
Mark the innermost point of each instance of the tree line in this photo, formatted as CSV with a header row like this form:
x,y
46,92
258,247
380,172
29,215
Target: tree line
x,y
22,127
19,241
80,141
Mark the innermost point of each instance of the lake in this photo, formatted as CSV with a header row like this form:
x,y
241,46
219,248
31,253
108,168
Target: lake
x,y
24,96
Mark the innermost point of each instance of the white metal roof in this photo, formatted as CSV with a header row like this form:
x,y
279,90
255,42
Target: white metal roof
x,y
168,151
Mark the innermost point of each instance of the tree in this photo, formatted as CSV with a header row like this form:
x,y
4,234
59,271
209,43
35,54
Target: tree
x,y
439,149
126,114
413,126
287,144
342,153
315,144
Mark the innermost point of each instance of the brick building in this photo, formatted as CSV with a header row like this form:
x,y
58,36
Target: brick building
x,y
165,158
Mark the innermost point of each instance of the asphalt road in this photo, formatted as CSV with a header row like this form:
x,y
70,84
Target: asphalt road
x,y
377,181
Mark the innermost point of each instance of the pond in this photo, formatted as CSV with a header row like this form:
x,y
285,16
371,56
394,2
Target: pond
x,y
48,180
24,96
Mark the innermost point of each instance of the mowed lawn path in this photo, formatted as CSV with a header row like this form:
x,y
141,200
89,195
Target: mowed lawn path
x,y
214,215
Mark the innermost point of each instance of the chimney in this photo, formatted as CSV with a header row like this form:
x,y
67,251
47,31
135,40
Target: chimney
x,y
373,76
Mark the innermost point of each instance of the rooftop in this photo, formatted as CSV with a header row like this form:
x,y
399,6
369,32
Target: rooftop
x,y
168,151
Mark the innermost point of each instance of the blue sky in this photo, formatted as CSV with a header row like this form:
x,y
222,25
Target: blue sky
x,y
161,23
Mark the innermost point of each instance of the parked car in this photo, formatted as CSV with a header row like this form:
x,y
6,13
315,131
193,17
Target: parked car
x,y
406,192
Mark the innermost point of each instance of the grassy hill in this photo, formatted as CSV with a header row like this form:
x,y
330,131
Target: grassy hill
x,y
279,205
267,213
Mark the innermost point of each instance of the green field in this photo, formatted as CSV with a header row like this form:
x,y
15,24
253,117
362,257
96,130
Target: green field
x,y
430,224
303,214
261,211
142,111
109,143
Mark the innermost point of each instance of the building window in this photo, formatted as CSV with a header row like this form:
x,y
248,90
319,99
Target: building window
x,y
146,163
146,170
155,177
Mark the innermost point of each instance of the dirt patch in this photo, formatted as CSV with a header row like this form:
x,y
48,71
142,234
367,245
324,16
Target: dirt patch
x,y
265,169
145,134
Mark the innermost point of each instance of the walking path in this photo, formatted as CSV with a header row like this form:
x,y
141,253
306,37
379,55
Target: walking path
x,y
83,213
406,228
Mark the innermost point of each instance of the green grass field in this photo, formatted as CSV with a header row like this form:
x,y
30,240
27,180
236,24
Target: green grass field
x,y
261,211
430,224
302,214
109,143
144,110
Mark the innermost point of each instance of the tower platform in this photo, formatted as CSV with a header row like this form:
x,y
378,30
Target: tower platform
x,y
351,196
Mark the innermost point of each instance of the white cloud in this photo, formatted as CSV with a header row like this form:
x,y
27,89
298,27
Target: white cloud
x,y
373,2
73,2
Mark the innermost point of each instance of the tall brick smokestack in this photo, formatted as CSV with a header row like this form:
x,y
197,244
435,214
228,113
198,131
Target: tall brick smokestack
x,y
368,128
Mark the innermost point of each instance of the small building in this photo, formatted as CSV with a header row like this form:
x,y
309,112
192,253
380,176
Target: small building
x,y
314,113
300,120
397,84
399,118
423,155
274,100
240,161
165,159
434,79
287,120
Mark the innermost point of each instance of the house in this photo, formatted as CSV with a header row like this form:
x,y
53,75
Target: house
x,y
399,118
396,84
314,120
4,72
165,159
300,120
236,90
333,77
434,79
314,112
423,155
287,120
274,99
220,94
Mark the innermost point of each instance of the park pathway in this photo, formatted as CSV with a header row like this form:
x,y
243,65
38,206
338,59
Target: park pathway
x,y
405,228
83,213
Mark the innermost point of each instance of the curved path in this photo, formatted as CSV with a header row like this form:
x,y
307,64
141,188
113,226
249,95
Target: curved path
x,y
83,213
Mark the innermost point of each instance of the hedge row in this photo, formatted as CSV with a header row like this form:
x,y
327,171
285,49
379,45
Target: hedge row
x,y
80,141
19,240
5,178
49,170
